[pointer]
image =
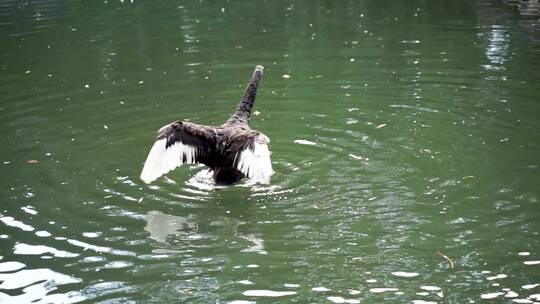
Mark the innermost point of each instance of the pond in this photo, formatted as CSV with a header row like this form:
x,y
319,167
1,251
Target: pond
x,y
404,135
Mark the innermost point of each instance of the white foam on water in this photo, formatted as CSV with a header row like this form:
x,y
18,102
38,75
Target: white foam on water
x,y
320,288
371,281
267,293
241,302
423,302
245,282
531,262
529,286
524,253
522,301
423,293
430,288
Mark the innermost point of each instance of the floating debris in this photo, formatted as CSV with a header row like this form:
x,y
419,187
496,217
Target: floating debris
x,y
286,76
447,258
380,126
105,127
32,161
256,113
87,86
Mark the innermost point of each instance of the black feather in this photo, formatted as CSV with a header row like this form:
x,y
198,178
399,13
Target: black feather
x,y
219,147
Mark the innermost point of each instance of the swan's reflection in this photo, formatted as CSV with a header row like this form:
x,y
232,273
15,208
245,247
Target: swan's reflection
x,y
161,225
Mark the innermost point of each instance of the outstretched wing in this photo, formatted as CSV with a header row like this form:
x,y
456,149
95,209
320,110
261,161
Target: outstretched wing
x,y
176,144
252,156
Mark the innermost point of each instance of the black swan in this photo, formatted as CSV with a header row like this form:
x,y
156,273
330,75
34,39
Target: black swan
x,y
232,151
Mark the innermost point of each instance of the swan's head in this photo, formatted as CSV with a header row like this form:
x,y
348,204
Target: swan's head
x,y
259,68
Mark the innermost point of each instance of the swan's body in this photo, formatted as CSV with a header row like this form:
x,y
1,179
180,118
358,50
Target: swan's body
x,y
232,151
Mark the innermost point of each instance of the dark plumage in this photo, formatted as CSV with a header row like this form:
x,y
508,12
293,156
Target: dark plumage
x,y
232,150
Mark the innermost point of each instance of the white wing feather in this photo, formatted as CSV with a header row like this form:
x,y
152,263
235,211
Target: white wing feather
x,y
162,159
256,163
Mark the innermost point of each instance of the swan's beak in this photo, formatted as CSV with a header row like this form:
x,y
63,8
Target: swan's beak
x,y
259,68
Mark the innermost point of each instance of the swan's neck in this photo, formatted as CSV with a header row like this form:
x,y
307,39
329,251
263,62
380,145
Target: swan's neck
x,y
243,111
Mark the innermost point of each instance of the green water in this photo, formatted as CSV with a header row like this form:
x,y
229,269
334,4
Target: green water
x,y
403,129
